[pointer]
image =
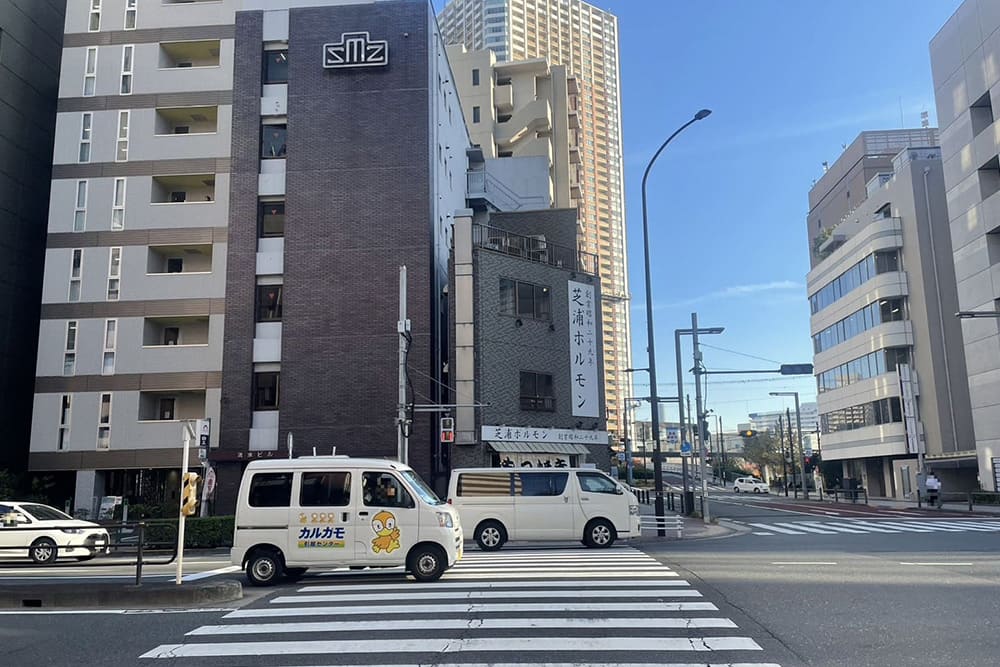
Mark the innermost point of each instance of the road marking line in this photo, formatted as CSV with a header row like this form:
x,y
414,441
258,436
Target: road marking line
x,y
866,526
462,624
937,564
834,527
756,532
801,525
482,595
565,664
408,587
525,645
973,526
804,562
930,526
113,612
572,571
904,526
472,608
211,573
463,575
777,529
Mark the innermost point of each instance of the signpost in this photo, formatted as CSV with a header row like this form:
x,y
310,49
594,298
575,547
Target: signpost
x,y
685,449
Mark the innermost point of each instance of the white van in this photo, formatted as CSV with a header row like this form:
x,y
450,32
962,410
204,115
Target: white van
x,y
336,511
501,504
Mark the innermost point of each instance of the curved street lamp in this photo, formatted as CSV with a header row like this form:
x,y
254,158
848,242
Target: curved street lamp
x,y
654,403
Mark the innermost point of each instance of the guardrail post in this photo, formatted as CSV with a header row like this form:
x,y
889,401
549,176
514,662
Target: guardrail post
x,y
138,556
866,495
970,501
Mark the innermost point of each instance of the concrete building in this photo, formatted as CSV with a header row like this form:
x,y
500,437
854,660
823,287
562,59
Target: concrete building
x,y
527,343
519,109
584,39
965,60
30,50
768,421
888,353
216,163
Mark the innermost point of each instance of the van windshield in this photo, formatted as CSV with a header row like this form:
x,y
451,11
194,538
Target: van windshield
x,y
420,488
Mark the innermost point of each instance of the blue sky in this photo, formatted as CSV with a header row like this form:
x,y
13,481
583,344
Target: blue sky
x,y
789,82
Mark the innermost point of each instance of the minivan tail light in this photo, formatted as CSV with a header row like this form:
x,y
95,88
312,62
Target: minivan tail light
x,y
449,502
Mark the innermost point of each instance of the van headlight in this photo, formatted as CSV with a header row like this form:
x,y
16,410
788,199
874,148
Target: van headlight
x,y
444,520
633,510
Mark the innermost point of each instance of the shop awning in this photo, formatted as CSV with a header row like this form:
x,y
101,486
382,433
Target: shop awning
x,y
539,448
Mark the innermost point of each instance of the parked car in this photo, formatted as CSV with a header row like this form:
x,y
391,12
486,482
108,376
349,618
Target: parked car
x,y
750,485
43,534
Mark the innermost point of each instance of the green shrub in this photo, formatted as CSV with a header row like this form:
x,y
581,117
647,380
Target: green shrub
x,y
199,532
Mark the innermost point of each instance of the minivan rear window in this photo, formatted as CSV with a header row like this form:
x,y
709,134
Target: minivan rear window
x,y
271,489
484,484
540,483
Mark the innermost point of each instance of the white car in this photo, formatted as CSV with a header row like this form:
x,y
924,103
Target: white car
x,y
751,485
43,533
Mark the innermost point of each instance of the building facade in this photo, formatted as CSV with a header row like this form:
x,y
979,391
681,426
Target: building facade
x,y
528,364
964,59
768,421
888,355
584,39
221,245
30,50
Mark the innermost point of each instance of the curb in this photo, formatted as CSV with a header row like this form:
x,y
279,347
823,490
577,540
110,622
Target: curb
x,y
118,595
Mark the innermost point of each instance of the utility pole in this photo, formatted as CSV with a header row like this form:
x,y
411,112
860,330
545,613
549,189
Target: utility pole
x,y
784,459
802,450
628,448
699,411
791,452
403,329
688,498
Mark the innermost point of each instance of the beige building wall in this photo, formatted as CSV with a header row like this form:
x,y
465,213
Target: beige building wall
x,y
584,39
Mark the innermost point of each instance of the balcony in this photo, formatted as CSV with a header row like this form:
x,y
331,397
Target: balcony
x,y
179,259
186,189
533,249
171,406
574,155
187,120
184,55
574,120
175,331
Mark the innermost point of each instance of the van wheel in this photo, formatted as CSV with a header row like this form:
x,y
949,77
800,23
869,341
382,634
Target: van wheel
x,y
295,573
756,490
265,567
599,534
490,535
43,551
426,562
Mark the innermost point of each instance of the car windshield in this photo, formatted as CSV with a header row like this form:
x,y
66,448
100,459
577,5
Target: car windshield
x,y
420,487
45,513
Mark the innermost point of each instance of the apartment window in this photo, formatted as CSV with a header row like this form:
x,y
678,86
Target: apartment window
x,y
272,141
69,352
269,303
265,391
75,274
95,16
475,114
86,125
475,77
271,216
130,14
65,414
110,342
114,274
523,299
104,423
118,205
80,210
121,152
166,409
536,392
276,66
90,73
175,265
171,335
126,85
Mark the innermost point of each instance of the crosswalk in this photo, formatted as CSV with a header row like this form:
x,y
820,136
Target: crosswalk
x,y
875,526
550,607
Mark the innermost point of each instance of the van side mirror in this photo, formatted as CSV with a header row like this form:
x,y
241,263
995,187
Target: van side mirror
x,y
619,491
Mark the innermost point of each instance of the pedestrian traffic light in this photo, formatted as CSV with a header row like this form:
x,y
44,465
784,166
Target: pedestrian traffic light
x,y
807,463
447,429
748,433
189,494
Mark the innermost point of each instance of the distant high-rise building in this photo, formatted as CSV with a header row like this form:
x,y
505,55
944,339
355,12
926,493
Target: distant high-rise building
x,y
30,50
584,39
768,421
889,366
964,57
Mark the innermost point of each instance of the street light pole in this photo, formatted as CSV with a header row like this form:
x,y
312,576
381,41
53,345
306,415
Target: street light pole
x,y
654,403
698,417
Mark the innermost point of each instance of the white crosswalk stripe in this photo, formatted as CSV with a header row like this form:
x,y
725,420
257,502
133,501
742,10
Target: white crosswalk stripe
x,y
882,526
538,607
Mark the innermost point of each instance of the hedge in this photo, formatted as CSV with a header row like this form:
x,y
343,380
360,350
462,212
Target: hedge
x,y
199,532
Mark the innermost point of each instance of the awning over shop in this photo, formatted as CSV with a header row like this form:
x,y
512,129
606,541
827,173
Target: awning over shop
x,y
539,448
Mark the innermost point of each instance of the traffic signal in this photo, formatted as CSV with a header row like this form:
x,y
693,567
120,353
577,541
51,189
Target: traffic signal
x,y
748,433
189,494
447,429
807,463
704,430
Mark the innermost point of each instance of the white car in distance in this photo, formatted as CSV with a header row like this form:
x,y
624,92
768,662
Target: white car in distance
x,y
43,534
750,485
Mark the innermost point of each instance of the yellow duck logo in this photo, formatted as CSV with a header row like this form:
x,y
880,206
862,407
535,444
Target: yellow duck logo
x,y
386,534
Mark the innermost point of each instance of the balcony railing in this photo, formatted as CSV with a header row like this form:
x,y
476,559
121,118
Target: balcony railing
x,y
533,249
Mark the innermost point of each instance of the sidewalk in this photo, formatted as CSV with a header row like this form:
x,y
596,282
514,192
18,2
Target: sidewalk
x,y
694,528
950,505
36,595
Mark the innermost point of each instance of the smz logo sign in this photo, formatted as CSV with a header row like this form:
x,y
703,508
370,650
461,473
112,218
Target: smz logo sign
x,y
356,49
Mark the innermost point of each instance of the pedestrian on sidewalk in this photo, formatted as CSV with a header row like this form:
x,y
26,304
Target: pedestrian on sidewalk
x,y
933,490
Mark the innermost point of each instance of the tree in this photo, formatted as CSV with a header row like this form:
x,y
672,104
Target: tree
x,y
763,450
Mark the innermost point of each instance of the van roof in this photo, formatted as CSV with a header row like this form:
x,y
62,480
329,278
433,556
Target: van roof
x,y
527,469
303,462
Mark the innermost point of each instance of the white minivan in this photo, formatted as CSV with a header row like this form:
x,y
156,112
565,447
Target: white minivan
x,y
336,511
501,504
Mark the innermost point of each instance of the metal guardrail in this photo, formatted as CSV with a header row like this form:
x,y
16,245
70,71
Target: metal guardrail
x,y
848,495
133,540
671,499
658,523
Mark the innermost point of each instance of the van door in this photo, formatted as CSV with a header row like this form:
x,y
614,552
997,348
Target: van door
x,y
322,518
388,520
542,507
600,497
